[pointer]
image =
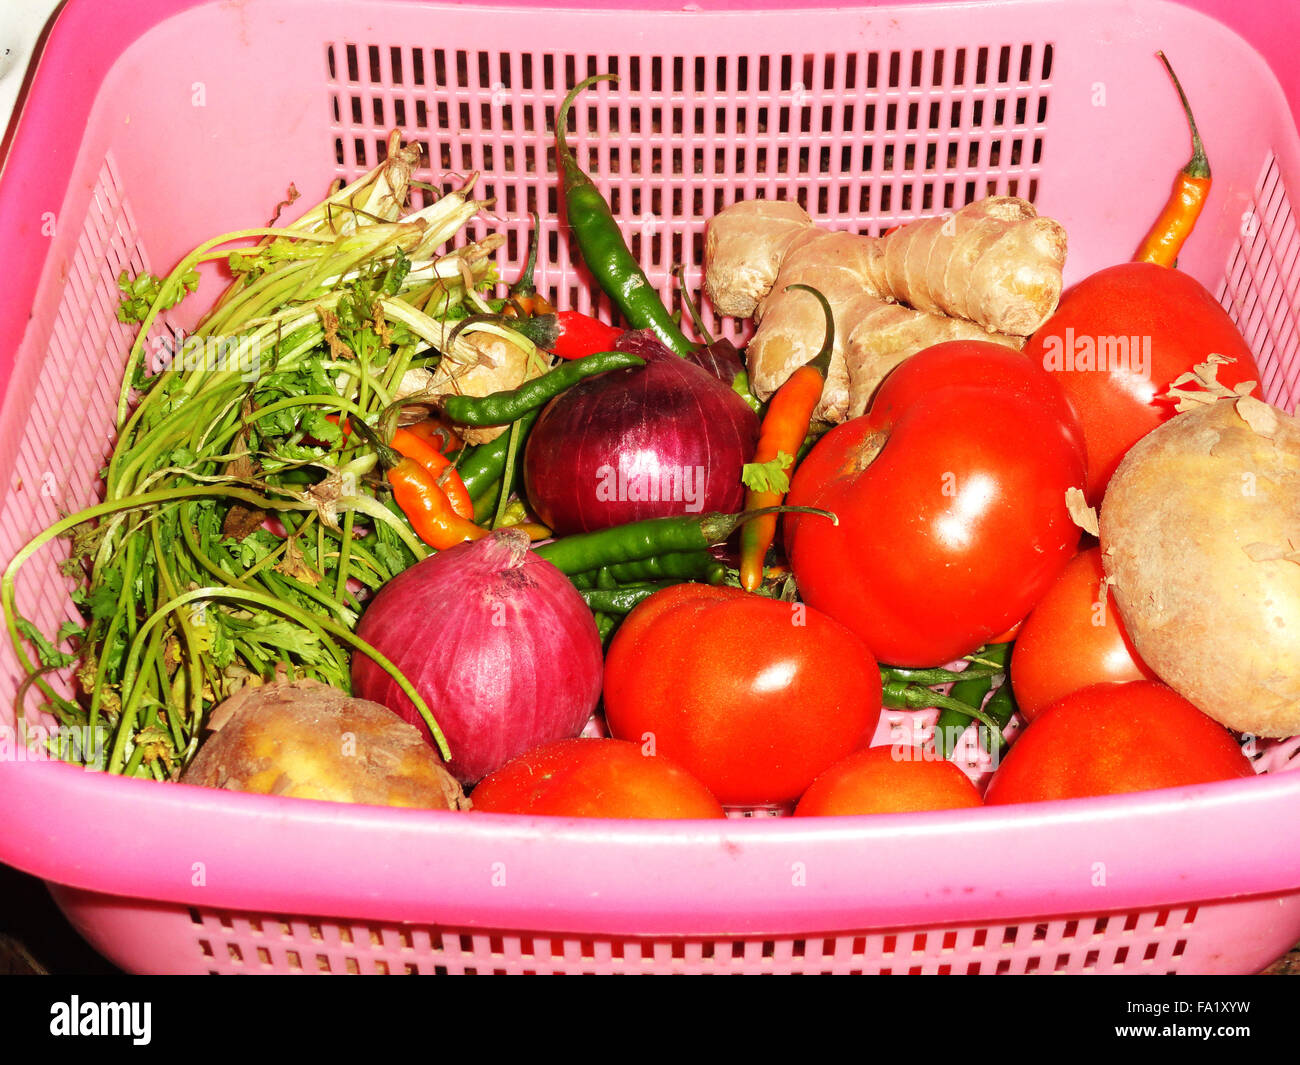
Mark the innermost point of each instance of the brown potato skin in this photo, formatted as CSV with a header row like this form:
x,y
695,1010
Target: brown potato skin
x,y
1219,627
310,741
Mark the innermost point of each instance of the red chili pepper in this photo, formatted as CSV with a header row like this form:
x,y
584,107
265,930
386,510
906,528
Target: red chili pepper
x,y
527,305
568,334
579,335
427,507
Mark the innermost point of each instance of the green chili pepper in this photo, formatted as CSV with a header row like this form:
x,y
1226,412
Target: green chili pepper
x,y
605,626
900,695
930,677
502,408
681,565
484,466
600,241
619,600
1001,707
740,385
970,688
640,540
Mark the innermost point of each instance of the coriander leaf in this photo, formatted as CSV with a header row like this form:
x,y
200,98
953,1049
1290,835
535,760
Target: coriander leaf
x,y
46,652
392,557
287,636
104,595
222,647
317,426
396,274
253,547
140,293
289,456
182,457
768,476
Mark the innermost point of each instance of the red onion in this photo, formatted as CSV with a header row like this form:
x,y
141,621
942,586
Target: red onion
x,y
661,439
721,358
496,641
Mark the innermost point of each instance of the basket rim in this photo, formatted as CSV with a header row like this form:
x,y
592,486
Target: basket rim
x,y
141,839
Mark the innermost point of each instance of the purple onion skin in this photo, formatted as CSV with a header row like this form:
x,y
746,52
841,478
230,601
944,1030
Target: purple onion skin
x,y
642,342
721,358
497,642
663,439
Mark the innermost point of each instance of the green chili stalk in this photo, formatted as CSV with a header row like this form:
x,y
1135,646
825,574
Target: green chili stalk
x,y
508,475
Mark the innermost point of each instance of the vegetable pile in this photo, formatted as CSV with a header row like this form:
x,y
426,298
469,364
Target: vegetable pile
x,y
384,528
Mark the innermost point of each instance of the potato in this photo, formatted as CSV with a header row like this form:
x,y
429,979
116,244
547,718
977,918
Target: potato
x,y
308,740
1200,536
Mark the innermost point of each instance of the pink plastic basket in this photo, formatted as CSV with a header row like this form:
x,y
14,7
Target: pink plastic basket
x,y
173,120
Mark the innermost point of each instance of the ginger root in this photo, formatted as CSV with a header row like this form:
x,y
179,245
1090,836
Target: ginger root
x,y
995,262
476,364
991,271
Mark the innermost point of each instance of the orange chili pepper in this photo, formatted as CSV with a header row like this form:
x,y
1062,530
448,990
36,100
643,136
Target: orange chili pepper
x,y
427,508
408,444
531,305
784,427
439,467
421,499
523,299
1166,237
438,433
534,530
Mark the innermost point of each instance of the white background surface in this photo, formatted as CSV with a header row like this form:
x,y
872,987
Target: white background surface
x,y
21,22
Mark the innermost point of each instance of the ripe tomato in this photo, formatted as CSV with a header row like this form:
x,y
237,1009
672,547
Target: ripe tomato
x,y
888,780
1072,640
1009,635
950,494
594,778
752,696
1113,738
1172,321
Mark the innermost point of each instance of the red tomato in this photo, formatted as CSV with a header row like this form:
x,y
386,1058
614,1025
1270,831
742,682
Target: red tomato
x,y
1072,640
1113,738
1009,635
950,494
594,778
752,696
1173,323
888,780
